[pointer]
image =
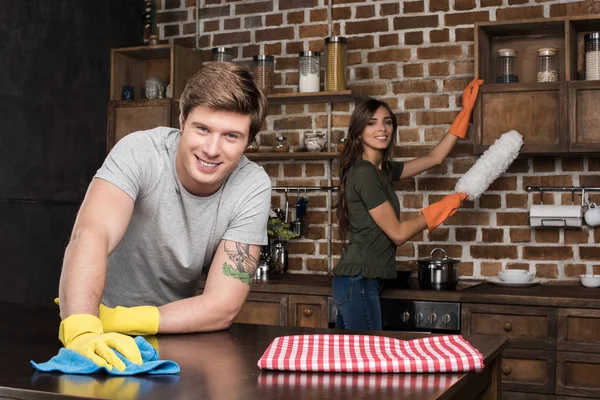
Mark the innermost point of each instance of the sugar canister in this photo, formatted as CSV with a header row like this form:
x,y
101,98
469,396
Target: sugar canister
x,y
336,59
309,71
592,56
506,66
222,54
263,68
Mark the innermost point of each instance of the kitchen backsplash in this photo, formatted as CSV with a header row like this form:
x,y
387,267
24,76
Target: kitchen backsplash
x,y
417,56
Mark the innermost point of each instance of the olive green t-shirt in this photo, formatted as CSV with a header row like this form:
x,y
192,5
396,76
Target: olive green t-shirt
x,y
370,252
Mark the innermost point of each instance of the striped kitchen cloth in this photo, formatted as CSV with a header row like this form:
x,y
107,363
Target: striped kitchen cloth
x,y
365,353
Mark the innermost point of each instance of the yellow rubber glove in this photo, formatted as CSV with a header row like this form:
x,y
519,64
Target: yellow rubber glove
x,y
461,123
83,333
114,387
437,213
141,320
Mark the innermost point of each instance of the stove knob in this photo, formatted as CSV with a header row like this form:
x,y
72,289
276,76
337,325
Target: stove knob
x,y
419,317
446,319
432,318
405,316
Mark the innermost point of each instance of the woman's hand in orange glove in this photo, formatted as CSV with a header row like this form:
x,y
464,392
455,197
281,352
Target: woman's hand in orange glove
x,y
438,212
461,123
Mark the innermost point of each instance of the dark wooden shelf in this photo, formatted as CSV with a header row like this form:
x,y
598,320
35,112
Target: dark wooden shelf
x,y
316,97
300,155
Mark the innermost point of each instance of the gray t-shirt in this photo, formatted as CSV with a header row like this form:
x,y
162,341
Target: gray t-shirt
x,y
173,235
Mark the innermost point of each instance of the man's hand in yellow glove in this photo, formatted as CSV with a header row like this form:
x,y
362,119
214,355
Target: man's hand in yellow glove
x,y
461,123
83,333
437,213
141,320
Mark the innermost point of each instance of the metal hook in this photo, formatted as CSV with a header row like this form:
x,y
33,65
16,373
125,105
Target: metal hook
x,y
541,195
583,202
286,206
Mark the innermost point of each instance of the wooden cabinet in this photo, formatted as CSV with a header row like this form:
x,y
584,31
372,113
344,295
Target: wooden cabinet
x,y
308,311
553,117
172,64
264,308
577,374
528,370
526,327
125,117
578,330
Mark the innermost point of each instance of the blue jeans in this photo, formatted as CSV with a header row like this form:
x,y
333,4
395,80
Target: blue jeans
x,y
357,301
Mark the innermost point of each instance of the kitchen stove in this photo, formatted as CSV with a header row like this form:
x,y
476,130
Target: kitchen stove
x,y
417,315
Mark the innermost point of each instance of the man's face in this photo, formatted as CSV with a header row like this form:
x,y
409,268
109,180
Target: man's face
x,y
211,145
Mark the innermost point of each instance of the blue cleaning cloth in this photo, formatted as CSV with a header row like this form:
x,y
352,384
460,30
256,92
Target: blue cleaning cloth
x,y
71,362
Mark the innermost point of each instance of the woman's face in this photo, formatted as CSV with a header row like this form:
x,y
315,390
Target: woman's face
x,y
377,135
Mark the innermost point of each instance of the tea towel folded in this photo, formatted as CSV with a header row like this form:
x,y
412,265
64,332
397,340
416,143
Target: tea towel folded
x,y
71,362
365,353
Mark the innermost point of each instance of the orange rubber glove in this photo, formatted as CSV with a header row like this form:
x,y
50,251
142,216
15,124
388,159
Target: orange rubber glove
x,y
437,213
461,123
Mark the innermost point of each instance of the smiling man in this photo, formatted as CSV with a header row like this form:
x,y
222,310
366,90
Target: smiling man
x,y
166,206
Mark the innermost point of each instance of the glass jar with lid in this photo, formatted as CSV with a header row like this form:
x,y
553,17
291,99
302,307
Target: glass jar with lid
x,y
336,60
592,56
222,54
547,64
341,144
281,145
309,71
263,69
506,66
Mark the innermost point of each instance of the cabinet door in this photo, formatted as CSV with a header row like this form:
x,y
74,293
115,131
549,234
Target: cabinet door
x,y
308,311
579,330
524,326
125,117
265,309
526,396
538,112
532,371
584,118
577,374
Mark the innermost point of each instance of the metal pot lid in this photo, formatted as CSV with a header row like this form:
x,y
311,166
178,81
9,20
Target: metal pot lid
x,y
439,260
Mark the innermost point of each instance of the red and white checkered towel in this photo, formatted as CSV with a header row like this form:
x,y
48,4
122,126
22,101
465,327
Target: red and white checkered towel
x,y
364,353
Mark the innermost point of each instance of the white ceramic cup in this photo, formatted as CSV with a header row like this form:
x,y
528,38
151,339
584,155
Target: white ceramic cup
x,y
592,215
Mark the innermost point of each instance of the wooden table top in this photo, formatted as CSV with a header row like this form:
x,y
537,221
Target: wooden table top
x,y
217,365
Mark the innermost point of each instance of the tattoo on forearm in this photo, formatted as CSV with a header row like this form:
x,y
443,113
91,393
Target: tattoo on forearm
x,y
243,265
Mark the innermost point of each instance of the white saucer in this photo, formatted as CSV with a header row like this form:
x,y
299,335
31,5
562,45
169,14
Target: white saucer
x,y
497,281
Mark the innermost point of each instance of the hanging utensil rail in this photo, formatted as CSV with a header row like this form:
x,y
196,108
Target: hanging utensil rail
x,y
571,189
304,188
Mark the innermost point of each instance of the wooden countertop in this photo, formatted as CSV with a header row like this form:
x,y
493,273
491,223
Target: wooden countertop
x,y
563,294
219,365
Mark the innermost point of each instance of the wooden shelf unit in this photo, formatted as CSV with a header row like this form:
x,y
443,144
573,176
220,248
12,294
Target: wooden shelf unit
x,y
297,155
554,118
315,97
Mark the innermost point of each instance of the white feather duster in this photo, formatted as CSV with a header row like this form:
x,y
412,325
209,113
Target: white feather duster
x,y
493,163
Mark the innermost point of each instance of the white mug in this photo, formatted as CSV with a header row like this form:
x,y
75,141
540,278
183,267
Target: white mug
x,y
592,215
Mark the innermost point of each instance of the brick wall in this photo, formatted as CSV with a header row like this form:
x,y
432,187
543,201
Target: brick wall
x,y
417,56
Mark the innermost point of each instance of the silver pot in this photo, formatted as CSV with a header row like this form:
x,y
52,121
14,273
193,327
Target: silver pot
x,y
438,273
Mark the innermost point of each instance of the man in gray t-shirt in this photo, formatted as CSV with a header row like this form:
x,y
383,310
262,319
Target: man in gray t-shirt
x,y
166,207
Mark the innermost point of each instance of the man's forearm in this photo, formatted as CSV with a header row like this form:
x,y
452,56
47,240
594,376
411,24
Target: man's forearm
x,y
202,313
84,274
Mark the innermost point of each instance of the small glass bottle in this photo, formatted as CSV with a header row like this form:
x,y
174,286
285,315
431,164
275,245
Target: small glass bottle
x,y
335,71
253,147
281,145
592,56
506,66
309,71
547,65
222,54
263,68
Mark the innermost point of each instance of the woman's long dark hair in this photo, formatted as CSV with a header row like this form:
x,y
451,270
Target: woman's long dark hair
x,y
363,112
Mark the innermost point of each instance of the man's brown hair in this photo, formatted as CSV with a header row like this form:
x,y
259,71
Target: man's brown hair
x,y
225,86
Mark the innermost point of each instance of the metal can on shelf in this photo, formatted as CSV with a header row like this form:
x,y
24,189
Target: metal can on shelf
x,y
263,69
222,54
547,64
336,59
592,56
506,66
309,71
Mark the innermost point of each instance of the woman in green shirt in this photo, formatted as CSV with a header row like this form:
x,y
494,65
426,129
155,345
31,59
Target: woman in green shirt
x,y
369,210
